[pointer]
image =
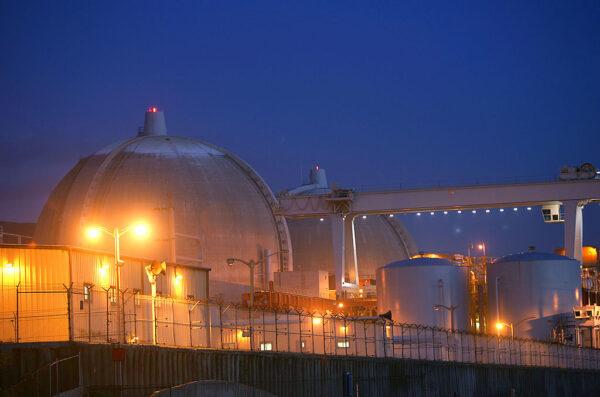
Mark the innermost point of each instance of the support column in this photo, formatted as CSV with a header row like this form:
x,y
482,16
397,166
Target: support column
x,y
338,240
351,260
573,216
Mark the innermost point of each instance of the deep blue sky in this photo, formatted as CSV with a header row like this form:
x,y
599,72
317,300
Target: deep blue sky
x,y
379,93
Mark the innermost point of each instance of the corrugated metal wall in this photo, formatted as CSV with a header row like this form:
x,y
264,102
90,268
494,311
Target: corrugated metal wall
x,y
33,284
34,304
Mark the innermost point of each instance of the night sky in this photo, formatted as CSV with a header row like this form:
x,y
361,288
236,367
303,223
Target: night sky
x,y
380,94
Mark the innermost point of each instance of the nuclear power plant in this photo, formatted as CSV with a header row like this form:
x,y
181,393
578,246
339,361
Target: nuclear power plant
x,y
169,241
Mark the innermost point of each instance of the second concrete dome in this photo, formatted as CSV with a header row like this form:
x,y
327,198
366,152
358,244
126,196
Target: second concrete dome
x,y
379,238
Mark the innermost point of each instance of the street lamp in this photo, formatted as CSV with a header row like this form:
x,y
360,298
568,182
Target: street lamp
x,y
451,309
140,230
500,326
481,247
251,265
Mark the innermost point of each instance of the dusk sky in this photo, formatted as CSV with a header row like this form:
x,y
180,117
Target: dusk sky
x,y
380,94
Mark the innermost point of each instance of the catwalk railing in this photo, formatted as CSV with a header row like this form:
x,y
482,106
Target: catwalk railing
x,y
98,315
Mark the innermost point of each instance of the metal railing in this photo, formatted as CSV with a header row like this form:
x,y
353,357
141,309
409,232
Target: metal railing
x,y
76,314
52,379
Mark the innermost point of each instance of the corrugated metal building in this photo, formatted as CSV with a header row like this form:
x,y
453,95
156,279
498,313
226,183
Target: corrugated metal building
x,y
56,293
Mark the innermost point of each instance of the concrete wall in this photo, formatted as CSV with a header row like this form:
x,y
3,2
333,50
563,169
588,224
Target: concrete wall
x,y
286,374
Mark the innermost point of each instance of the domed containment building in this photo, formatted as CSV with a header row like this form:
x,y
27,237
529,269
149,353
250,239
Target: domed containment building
x,y
207,201
380,239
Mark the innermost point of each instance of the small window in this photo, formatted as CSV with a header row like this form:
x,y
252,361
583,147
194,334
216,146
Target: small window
x,y
136,297
87,292
266,346
343,344
112,295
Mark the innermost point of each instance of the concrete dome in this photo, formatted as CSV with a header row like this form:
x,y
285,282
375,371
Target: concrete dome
x,y
379,238
221,206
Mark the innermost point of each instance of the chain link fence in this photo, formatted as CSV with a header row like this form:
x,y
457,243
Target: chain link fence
x,y
96,315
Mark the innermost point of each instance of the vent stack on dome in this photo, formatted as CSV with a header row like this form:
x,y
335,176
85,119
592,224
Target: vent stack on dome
x,y
154,123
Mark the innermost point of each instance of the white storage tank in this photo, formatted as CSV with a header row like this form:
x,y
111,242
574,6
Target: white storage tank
x,y
424,291
536,291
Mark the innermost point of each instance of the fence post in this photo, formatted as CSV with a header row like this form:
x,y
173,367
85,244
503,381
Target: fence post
x,y
221,325
208,323
107,317
433,348
289,330
251,328
365,338
385,336
69,310
324,340
89,302
300,330
346,341
418,344
312,331
264,330
276,331
17,315
173,321
235,326
475,346
448,344
190,324
123,314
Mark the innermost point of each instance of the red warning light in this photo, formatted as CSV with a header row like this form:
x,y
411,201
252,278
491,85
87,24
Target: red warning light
x,y
152,109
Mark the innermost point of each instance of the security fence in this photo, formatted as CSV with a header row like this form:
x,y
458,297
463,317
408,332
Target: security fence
x,y
89,314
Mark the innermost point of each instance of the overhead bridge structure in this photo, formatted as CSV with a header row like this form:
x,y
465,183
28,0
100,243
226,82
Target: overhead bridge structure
x,y
343,206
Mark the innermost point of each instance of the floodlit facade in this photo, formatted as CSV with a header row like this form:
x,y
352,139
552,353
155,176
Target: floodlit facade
x,y
53,293
202,203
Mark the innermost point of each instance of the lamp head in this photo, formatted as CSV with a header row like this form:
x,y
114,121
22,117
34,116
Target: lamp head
x,y
141,230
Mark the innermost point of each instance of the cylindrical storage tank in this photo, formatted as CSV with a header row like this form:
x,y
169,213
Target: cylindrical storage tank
x,y
534,291
424,291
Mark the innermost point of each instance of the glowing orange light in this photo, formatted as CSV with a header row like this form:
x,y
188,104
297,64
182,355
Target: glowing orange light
x,y
316,320
93,233
499,326
103,270
9,268
341,304
480,246
141,230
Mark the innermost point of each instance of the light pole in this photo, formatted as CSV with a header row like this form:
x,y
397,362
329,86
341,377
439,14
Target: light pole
x,y
481,247
93,233
251,265
451,309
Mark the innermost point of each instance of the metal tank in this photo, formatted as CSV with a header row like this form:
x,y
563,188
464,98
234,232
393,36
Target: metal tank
x,y
426,291
380,239
203,204
532,293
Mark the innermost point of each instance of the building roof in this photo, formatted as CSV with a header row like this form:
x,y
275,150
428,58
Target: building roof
x,y
532,256
419,262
